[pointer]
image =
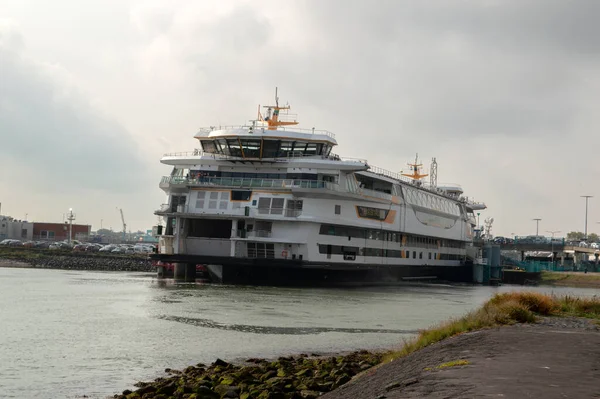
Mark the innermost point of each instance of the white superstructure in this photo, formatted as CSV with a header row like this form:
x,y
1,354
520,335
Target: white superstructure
x,y
270,192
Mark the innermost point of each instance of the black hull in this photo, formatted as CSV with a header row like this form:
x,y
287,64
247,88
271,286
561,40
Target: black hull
x,y
322,277
276,272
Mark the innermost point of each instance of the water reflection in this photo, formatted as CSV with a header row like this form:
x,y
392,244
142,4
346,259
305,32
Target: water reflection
x,y
279,330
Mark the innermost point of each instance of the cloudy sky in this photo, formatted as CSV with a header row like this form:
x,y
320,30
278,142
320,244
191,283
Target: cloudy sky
x,y
503,93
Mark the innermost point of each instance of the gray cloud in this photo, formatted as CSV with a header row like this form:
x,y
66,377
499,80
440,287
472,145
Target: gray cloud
x,y
49,127
503,93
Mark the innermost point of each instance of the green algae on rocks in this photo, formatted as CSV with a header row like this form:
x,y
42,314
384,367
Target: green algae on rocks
x,y
293,377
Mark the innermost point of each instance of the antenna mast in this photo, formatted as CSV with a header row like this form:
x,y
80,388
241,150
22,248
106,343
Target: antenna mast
x,y
433,173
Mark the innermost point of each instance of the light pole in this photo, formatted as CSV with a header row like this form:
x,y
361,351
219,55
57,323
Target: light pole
x,y
537,226
70,218
587,197
552,242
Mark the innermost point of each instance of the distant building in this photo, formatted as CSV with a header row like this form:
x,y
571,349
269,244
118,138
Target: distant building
x,y
11,228
60,231
15,229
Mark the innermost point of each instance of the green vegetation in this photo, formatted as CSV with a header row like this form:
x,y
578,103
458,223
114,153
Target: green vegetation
x,y
579,236
453,363
504,309
571,279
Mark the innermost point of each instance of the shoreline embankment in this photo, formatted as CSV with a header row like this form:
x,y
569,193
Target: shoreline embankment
x,y
571,279
527,338
68,260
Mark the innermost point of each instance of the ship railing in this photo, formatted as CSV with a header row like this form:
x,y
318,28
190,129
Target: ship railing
x,y
164,208
207,130
254,234
336,157
196,152
249,182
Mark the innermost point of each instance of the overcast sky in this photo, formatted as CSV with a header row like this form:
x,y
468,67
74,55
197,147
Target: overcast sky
x,y
503,93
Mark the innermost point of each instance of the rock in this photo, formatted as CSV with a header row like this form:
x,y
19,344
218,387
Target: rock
x,y
227,391
146,389
344,378
268,374
203,392
307,394
126,392
381,397
221,363
168,389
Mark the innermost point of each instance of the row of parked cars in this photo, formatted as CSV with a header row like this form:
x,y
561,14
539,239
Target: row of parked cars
x,y
78,246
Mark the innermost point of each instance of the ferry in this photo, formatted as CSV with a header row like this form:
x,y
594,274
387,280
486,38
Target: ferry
x,y
269,203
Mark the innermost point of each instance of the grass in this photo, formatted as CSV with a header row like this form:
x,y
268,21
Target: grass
x,y
453,363
504,309
577,279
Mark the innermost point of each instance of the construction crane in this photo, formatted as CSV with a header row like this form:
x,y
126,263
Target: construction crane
x,y
124,225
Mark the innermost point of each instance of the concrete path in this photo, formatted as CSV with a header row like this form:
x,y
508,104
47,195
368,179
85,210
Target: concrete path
x,y
558,358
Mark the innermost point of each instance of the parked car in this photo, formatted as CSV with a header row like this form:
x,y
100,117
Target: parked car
x,y
583,244
595,245
11,243
108,248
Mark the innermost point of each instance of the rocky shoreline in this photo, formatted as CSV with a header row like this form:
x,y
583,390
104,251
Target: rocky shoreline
x,y
293,377
75,261
518,336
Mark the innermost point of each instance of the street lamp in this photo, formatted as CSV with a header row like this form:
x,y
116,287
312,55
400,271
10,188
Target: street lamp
x,y
552,242
587,197
70,218
537,226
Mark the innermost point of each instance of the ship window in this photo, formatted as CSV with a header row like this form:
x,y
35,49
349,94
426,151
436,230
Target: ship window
x,y
208,146
218,147
263,205
222,144
237,195
270,148
277,206
414,254
320,148
286,148
234,147
338,209
311,149
251,148
200,199
212,204
420,255
224,200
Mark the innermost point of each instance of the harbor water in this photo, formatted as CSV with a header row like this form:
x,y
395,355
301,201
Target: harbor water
x,y
65,334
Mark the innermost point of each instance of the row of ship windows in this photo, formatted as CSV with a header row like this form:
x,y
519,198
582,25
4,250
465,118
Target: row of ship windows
x,y
196,174
220,199
382,235
350,252
253,148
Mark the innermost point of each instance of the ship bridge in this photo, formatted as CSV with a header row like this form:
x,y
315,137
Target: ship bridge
x,y
258,142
